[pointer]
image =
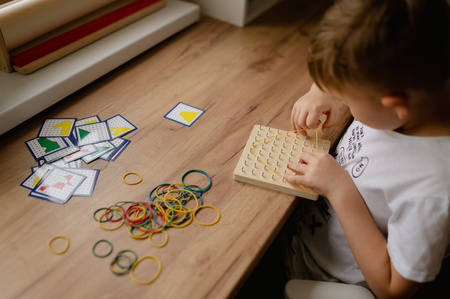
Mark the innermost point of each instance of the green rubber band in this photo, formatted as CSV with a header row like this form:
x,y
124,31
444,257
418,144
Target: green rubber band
x,y
98,210
198,171
121,253
98,242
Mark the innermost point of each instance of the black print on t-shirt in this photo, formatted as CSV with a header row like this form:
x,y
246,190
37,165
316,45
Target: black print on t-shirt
x,y
359,167
354,142
311,215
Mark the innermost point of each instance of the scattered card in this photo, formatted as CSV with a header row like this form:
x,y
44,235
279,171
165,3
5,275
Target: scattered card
x,y
42,146
84,151
92,133
119,126
61,146
57,185
119,144
184,114
57,127
87,120
102,148
71,148
87,187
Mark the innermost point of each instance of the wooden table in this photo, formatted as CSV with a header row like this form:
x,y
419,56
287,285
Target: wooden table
x,y
240,77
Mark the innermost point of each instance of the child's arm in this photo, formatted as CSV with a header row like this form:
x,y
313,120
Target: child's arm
x,y
310,107
321,173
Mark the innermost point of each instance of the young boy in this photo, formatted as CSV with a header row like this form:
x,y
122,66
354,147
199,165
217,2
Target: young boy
x,y
389,186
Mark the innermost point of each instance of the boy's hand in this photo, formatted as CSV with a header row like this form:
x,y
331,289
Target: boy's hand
x,y
310,107
319,172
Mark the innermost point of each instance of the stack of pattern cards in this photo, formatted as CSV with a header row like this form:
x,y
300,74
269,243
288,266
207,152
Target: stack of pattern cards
x,y
60,147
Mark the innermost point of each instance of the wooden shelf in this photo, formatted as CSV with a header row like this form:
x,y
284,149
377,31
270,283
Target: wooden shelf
x,y
23,96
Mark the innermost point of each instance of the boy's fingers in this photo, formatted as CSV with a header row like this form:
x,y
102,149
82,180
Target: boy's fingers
x,y
313,121
296,179
305,157
297,167
331,119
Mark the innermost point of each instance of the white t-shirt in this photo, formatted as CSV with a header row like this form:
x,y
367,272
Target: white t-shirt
x,y
405,182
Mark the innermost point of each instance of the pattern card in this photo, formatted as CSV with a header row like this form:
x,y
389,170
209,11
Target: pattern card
x,y
92,133
61,163
42,146
84,151
117,153
57,127
87,187
58,185
62,153
119,126
102,148
60,148
184,114
87,120
120,144
38,173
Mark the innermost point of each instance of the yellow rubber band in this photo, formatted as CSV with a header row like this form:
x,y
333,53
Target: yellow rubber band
x,y
137,209
317,138
142,235
106,228
133,183
193,196
58,237
137,263
202,223
186,214
158,245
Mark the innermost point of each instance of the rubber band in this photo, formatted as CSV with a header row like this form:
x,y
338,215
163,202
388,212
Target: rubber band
x,y
163,214
141,235
114,210
268,166
136,209
115,261
189,198
167,207
63,250
185,221
206,206
98,210
138,262
198,171
165,240
106,254
150,197
107,228
133,183
317,138
122,253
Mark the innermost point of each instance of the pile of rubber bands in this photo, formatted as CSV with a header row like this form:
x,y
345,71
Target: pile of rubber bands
x,y
167,207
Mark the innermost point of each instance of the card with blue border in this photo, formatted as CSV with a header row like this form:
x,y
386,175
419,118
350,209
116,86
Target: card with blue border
x,y
184,114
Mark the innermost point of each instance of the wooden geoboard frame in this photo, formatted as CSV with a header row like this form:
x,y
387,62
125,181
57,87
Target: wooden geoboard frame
x,y
264,158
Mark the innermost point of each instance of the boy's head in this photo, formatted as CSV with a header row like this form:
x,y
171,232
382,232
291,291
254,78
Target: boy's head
x,y
382,44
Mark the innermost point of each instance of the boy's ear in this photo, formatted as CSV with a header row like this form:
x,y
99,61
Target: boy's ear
x,y
398,102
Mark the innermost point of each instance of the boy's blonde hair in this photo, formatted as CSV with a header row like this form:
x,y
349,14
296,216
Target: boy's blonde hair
x,y
385,44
